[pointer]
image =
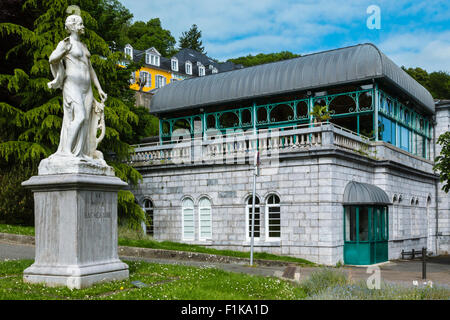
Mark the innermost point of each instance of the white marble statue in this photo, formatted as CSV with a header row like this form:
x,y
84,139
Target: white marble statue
x,y
83,115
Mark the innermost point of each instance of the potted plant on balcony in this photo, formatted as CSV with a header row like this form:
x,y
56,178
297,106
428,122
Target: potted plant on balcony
x,y
320,114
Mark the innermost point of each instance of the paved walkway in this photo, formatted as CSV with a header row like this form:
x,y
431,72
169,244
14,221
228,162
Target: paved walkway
x,y
399,271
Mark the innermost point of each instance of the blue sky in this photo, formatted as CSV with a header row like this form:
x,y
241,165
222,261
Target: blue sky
x,y
411,33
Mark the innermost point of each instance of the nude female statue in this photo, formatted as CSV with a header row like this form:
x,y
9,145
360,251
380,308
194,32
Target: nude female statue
x,y
83,115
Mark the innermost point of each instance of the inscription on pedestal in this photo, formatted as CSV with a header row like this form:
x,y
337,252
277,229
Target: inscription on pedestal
x,y
98,206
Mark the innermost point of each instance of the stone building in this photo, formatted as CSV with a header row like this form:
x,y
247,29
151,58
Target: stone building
x,y
358,188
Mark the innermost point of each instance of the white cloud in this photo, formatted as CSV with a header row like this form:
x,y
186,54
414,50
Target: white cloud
x,y
224,20
427,50
232,28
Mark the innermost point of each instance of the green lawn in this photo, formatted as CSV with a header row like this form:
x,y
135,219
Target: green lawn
x,y
165,282
177,282
134,239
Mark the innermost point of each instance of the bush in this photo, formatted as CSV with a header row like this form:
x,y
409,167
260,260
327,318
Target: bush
x,y
323,279
329,284
16,202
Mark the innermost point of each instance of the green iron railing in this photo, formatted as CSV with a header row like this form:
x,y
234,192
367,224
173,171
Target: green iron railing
x,y
355,104
293,112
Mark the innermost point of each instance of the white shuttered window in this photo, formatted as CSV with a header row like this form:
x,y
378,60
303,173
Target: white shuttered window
x,y
188,219
204,217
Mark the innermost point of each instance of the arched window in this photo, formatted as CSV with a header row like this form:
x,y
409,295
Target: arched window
x,y
248,212
204,219
342,104
188,225
302,110
281,112
228,120
210,121
273,218
148,209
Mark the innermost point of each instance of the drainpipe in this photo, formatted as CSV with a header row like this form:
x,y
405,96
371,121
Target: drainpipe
x,y
436,186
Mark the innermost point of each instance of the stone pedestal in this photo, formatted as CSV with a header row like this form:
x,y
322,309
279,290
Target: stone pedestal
x,y
76,230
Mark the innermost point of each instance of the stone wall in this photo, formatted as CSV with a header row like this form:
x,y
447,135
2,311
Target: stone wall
x,y
310,186
442,126
143,99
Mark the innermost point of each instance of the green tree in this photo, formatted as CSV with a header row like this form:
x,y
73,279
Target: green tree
x,y
149,125
262,58
143,35
113,19
31,113
191,39
437,83
442,162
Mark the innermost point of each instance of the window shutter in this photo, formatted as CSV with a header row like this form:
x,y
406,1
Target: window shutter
x,y
188,219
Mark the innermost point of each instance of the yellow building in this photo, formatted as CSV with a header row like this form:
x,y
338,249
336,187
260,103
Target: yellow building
x,y
158,71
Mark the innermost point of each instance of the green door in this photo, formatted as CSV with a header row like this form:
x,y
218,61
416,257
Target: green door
x,y
365,235
380,235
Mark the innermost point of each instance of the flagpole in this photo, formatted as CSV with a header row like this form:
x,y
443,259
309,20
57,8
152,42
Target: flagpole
x,y
253,219
255,173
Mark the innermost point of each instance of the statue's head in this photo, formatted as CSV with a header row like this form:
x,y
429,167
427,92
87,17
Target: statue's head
x,y
74,23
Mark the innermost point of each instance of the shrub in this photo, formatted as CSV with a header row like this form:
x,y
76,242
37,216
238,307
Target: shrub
x,y
323,279
16,202
329,284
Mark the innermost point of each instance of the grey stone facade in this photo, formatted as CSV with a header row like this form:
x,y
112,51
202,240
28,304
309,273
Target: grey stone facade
x,y
443,125
310,184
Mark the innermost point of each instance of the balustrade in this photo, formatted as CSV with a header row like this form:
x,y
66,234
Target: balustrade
x,y
241,145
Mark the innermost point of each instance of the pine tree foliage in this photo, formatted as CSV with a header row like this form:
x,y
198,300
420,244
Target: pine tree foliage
x,y
191,39
31,114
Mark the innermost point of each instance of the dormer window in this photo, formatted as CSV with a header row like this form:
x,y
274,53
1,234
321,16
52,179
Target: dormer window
x,y
152,56
152,59
174,64
128,51
201,70
188,67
